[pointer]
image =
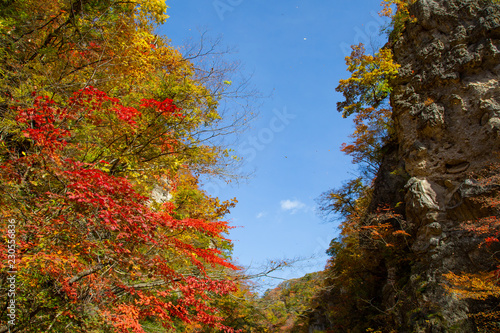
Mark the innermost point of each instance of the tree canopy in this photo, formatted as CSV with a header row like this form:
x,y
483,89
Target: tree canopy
x,y
105,129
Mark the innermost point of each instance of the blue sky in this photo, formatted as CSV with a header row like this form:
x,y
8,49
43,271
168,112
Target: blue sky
x,y
294,50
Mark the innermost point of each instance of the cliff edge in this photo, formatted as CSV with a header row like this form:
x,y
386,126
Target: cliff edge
x,y
446,111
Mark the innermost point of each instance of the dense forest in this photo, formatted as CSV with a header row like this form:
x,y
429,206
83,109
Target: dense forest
x,y
106,130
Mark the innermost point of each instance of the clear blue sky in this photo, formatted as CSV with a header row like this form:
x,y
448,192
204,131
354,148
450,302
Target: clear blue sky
x,y
295,51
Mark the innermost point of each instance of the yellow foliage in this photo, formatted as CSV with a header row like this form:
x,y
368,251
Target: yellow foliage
x,y
477,286
399,18
153,9
368,85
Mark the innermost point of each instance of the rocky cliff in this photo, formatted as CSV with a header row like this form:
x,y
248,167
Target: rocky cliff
x,y
446,113
446,109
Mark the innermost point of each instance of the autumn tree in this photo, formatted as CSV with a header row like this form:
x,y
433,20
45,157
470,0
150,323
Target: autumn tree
x,y
344,202
366,97
398,12
371,238
286,306
241,310
88,236
98,113
60,47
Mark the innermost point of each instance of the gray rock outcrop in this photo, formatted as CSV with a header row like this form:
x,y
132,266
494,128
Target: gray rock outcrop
x,y
446,108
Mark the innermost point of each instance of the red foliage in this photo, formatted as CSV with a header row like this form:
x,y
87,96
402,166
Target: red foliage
x,y
95,236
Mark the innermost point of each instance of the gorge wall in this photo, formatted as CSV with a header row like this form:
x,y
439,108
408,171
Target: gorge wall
x,y
446,113
446,109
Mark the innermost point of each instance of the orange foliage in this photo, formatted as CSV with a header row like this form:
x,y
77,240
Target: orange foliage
x,y
85,236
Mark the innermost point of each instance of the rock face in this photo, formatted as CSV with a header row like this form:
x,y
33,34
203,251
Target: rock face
x,y
446,106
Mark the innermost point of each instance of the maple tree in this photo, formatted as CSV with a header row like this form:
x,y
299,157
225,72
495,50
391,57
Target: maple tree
x,y
368,241
87,236
62,46
241,310
349,201
105,130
